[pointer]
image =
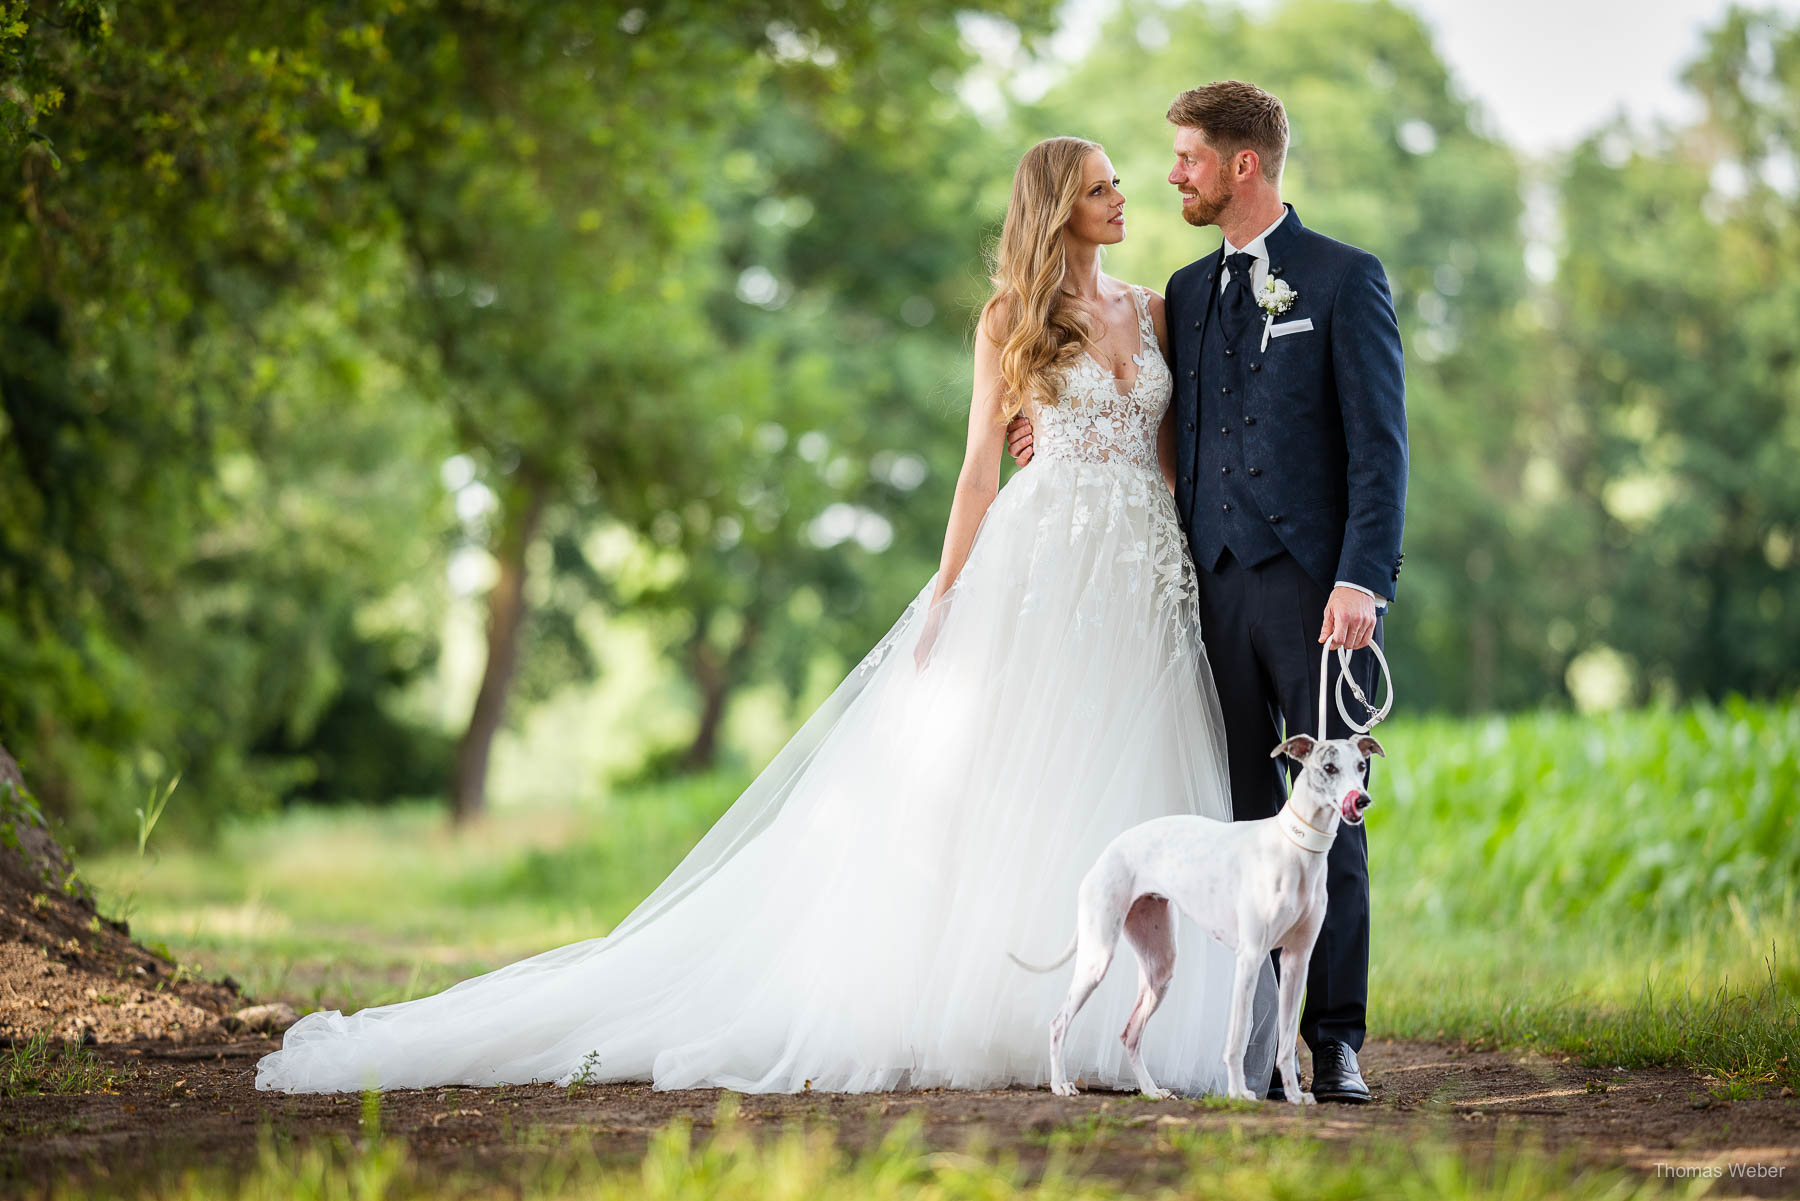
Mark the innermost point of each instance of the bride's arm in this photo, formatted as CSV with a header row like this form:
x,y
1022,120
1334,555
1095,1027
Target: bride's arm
x,y
1165,433
979,480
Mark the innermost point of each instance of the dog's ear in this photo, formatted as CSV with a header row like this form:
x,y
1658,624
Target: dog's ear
x,y
1297,747
1369,746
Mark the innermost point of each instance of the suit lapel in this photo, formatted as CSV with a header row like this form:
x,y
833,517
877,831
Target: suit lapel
x,y
1207,287
1282,241
1281,245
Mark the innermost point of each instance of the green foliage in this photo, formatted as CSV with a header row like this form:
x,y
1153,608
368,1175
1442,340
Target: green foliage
x,y
1662,821
1677,462
152,811
682,292
17,808
185,389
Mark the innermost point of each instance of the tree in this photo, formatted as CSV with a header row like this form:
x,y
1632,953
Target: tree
x,y
560,248
1675,308
191,359
852,242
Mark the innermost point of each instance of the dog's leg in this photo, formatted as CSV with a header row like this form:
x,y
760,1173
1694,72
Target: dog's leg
x,y
1287,1022
1237,1030
1099,914
1150,929
1092,958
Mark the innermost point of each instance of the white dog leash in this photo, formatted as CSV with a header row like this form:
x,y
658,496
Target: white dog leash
x,y
1376,716
1297,829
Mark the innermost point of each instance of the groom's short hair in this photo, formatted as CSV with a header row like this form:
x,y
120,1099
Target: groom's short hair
x,y
1237,116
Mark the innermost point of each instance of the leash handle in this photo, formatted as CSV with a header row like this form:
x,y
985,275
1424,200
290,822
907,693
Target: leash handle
x,y
1376,715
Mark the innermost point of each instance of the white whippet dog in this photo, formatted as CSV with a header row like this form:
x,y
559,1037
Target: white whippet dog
x,y
1254,885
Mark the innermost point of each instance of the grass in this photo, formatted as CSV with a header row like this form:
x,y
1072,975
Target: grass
x,y
354,906
42,1065
1622,889
1227,1163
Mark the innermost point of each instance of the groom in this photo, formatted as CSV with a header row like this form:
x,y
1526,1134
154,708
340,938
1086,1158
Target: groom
x,y
1289,433
1290,442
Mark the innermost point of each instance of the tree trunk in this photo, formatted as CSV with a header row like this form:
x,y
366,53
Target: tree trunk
x,y
716,677
506,613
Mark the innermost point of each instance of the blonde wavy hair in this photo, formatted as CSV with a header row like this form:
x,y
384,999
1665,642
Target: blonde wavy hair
x,y
1037,329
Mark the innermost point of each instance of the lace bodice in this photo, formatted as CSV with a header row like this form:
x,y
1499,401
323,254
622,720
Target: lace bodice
x,y
1091,421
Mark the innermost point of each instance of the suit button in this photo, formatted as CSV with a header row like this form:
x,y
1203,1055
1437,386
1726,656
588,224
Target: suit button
x,y
1225,471
1190,375
1187,479
1225,391
1274,519
1224,430
1196,325
1256,471
1256,366
1249,421
1225,508
1229,352
1190,426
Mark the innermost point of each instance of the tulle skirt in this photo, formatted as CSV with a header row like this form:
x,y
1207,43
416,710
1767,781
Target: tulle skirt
x,y
845,925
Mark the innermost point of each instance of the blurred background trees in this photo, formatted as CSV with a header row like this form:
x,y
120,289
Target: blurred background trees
x,y
369,387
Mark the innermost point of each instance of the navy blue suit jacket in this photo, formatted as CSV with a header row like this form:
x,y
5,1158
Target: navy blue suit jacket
x,y
1330,404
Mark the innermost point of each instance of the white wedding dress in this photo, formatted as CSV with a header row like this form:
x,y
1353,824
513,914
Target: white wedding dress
x,y
844,926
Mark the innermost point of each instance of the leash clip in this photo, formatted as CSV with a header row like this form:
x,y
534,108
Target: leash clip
x,y
1375,714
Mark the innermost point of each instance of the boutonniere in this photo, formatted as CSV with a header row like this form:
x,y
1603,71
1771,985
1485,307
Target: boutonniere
x,y
1275,298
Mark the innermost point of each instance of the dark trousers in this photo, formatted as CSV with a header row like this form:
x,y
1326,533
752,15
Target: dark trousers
x,y
1261,629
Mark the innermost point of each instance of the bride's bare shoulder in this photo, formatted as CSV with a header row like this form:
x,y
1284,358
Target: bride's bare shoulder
x,y
995,320
1153,300
1151,295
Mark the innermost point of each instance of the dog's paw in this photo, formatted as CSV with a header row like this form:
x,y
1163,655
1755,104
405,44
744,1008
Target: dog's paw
x,y
1159,1094
1064,1089
1306,1099
1244,1094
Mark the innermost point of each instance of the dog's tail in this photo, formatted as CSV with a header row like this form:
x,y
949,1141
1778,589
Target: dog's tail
x,y
1048,967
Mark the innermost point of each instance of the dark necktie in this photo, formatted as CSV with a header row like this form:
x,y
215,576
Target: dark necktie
x,y
1237,306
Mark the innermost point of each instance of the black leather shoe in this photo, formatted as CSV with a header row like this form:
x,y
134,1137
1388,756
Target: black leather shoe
x,y
1336,1075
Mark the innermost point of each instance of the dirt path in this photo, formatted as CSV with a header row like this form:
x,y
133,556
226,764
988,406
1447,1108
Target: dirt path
x,y
176,1105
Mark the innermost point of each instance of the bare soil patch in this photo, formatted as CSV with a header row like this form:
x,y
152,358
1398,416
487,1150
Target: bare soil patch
x,y
177,1104
67,971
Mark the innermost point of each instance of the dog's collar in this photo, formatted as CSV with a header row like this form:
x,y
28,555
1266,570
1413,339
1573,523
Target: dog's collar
x,y
1303,833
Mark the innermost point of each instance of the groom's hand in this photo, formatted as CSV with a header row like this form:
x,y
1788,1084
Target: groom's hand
x,y
1018,440
1349,619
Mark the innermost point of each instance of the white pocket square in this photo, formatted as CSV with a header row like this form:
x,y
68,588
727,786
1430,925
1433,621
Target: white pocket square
x,y
1290,327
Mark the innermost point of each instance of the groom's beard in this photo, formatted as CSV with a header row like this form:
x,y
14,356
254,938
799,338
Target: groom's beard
x,y
1208,206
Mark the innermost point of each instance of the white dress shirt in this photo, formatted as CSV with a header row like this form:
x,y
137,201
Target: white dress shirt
x,y
1259,271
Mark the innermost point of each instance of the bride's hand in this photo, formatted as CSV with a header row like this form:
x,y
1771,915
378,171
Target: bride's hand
x,y
934,621
1018,439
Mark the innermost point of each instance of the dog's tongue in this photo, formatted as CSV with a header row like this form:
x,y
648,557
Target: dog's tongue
x,y
1348,808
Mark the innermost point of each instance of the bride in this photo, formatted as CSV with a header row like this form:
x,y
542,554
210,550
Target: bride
x,y
845,924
